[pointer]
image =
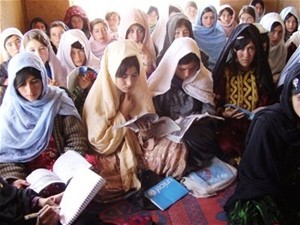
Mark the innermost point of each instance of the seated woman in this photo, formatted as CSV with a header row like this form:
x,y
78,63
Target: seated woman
x,y
182,86
226,19
268,187
39,122
74,52
179,26
134,26
101,36
38,23
248,14
10,44
120,93
260,8
56,29
76,18
207,34
37,41
278,51
242,77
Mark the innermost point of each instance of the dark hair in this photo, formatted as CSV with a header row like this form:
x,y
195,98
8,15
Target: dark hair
x,y
191,57
248,9
186,23
136,24
173,9
109,14
261,2
228,9
127,63
8,37
38,20
289,15
276,24
37,35
58,23
23,74
151,9
207,9
77,45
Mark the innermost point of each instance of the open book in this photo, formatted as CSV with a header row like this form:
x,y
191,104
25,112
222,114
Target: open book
x,y
82,184
184,124
161,126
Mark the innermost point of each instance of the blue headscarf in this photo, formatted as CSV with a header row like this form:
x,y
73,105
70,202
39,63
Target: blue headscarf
x,y
26,127
210,40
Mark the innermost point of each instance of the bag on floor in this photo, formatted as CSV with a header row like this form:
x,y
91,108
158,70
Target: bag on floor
x,y
208,181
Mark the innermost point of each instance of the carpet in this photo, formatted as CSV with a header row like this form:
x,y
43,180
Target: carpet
x,y
187,211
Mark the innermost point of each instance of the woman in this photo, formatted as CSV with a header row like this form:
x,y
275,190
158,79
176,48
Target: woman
x,y
242,77
134,26
182,86
38,42
101,36
259,6
76,18
10,44
290,17
113,19
247,14
179,26
38,23
74,52
226,19
57,28
120,93
39,122
267,191
208,37
191,10
278,51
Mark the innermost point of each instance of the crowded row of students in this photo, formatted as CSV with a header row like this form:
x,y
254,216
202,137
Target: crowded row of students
x,y
40,120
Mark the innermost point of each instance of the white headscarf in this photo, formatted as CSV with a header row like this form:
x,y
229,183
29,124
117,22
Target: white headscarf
x,y
278,53
5,34
64,50
199,86
26,126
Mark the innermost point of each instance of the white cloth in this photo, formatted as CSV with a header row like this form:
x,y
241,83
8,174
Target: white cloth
x,y
278,53
64,50
5,34
199,86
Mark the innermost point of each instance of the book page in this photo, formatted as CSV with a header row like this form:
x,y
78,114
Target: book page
x,y
131,123
164,126
82,188
68,163
41,178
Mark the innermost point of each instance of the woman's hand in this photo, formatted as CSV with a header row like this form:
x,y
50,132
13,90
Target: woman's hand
x,y
20,183
127,105
232,113
84,82
53,200
145,129
53,83
49,215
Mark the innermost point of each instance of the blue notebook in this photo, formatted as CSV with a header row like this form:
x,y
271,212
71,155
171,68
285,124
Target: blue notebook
x,y
166,193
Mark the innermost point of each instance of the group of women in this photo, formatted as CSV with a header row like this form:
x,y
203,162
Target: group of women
x,y
200,69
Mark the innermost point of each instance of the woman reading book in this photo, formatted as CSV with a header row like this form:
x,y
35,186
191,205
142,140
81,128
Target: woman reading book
x,y
182,86
119,94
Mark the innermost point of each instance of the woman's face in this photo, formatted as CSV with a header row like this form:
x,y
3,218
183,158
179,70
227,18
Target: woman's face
x,y
246,18
191,13
152,18
31,89
127,81
13,45
99,32
39,49
291,24
208,19
182,31
113,22
55,35
184,71
136,33
77,22
259,9
40,26
78,56
226,17
296,104
246,55
276,35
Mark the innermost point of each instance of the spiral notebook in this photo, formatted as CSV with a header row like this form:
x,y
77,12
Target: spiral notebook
x,y
82,188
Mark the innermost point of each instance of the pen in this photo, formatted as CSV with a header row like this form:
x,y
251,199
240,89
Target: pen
x,y
31,216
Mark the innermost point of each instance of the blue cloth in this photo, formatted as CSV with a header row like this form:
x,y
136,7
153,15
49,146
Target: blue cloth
x,y
26,126
210,40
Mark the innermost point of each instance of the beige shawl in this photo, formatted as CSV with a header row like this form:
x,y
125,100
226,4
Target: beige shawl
x,y
101,112
199,86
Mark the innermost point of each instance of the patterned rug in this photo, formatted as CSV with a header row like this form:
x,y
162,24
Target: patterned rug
x,y
187,211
